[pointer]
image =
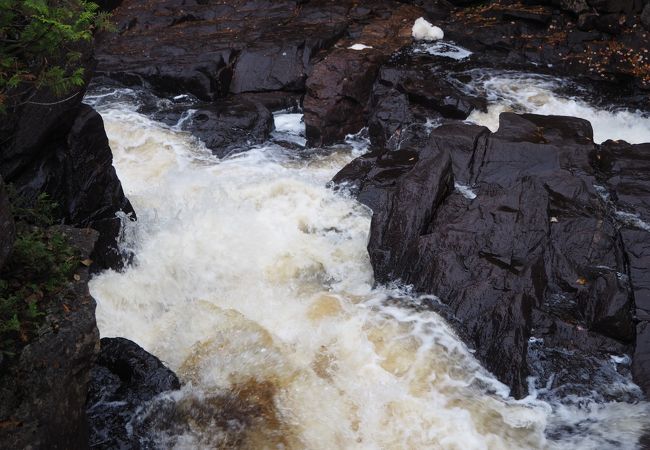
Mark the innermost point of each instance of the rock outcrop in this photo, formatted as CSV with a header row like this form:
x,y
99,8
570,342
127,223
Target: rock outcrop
x,y
511,231
43,392
625,171
123,379
62,149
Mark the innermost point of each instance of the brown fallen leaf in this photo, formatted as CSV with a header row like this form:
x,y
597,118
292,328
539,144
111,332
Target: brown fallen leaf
x,y
87,262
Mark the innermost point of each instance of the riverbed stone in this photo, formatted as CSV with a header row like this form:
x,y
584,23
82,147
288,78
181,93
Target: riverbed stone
x,y
124,378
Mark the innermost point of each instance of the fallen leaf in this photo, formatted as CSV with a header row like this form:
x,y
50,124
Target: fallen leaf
x,y
87,262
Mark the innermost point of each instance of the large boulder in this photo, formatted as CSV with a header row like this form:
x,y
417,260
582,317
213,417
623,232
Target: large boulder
x,y
7,228
124,378
63,150
43,389
509,230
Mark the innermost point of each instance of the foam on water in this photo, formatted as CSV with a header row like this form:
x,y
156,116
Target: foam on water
x,y
538,94
442,48
252,281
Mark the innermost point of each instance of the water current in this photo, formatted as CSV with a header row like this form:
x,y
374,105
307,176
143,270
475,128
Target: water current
x,y
251,280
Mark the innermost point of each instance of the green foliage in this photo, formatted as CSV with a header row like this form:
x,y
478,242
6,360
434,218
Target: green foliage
x,y
39,269
40,42
39,212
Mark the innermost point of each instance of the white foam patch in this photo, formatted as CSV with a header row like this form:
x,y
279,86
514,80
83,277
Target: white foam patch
x,y
424,30
445,49
633,220
465,190
359,47
537,95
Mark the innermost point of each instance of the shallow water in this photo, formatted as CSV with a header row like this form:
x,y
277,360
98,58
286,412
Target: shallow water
x,y
251,280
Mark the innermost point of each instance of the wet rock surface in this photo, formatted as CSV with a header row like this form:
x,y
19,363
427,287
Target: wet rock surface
x,y
124,378
340,85
625,171
510,230
43,392
62,150
412,93
211,48
224,126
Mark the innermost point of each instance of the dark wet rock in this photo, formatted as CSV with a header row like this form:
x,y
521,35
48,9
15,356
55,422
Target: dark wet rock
x,y
434,9
72,162
624,173
7,228
212,48
276,101
529,251
568,360
612,6
238,47
225,126
409,94
43,392
124,378
60,147
575,6
608,23
645,17
339,87
108,5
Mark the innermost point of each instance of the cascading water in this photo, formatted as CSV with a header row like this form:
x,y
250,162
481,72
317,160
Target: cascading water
x,y
537,94
251,280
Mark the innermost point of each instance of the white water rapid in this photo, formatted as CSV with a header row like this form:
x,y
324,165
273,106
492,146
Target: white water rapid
x,y
251,280
538,94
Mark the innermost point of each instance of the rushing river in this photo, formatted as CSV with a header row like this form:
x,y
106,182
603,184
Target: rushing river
x,y
251,280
